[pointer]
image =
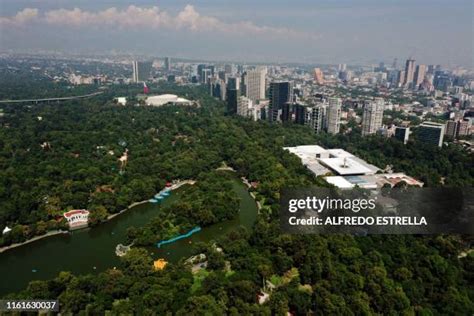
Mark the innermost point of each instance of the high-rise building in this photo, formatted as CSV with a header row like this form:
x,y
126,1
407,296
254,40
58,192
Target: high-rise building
x,y
402,133
341,67
442,81
431,69
206,75
393,77
316,117
409,72
287,112
254,83
318,76
419,76
232,96
345,75
167,63
372,116
218,89
456,128
199,69
141,70
401,78
334,115
279,94
431,133
244,105
135,71
301,111
233,83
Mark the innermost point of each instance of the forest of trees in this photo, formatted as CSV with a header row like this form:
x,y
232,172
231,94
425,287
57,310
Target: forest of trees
x,y
336,274
210,200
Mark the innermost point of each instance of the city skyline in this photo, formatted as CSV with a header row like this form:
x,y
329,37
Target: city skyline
x,y
323,33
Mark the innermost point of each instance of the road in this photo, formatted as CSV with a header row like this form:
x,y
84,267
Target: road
x,y
52,99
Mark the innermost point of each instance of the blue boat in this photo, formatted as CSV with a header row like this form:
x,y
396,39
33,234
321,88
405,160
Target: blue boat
x,y
153,201
189,233
160,197
165,193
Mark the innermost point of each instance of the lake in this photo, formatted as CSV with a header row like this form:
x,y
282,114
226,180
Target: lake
x,y
93,250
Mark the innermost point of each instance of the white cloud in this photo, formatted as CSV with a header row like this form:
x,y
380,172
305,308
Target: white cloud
x,y
134,17
22,17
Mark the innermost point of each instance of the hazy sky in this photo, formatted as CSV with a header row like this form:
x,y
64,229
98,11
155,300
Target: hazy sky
x,y
317,31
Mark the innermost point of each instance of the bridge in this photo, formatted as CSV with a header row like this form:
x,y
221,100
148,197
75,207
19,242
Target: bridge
x,y
46,100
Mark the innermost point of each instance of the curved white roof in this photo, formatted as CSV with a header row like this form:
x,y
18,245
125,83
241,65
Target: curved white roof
x,y
158,100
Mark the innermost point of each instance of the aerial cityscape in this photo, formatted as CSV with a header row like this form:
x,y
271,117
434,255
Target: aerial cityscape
x,y
146,154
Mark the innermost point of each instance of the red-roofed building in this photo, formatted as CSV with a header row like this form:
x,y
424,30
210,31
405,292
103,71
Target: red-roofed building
x,y
77,218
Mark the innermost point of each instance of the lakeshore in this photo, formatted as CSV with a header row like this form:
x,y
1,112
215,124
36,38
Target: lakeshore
x,y
89,251
111,216
48,234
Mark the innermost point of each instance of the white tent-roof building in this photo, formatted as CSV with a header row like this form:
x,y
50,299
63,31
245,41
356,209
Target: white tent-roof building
x,y
159,100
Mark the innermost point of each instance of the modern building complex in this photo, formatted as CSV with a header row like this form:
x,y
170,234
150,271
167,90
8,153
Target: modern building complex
x,y
372,116
431,133
344,170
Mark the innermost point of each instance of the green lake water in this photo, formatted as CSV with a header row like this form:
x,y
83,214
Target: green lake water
x,y
93,250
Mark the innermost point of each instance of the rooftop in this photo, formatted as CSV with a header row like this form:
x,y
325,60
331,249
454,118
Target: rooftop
x,y
345,166
322,161
158,100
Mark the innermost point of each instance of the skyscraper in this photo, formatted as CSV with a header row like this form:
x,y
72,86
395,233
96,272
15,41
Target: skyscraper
x,y
318,76
141,70
232,96
401,78
280,93
420,73
233,83
135,71
206,75
431,133
254,82
334,115
409,72
372,116
167,63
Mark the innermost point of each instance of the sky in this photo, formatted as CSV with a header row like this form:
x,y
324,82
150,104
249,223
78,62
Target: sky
x,y
307,31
